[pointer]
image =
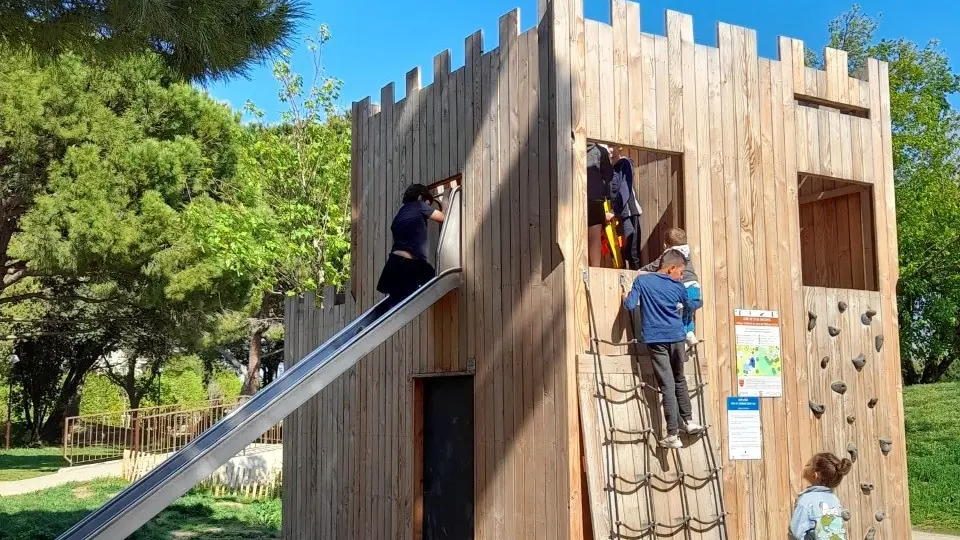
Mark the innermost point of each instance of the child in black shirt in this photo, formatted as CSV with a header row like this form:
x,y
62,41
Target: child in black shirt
x,y
407,268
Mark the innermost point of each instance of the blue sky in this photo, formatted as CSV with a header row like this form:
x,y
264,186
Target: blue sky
x,y
378,41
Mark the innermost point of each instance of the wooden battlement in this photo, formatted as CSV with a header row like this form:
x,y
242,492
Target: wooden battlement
x,y
834,86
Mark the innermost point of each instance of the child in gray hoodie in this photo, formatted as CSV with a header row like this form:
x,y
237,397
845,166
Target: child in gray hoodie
x,y
818,514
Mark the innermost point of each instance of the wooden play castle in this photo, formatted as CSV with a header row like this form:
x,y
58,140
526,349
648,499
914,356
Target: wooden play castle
x,y
518,406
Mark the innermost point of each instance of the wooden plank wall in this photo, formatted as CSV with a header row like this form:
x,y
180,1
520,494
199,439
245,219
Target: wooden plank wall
x,y
744,140
323,429
658,181
489,123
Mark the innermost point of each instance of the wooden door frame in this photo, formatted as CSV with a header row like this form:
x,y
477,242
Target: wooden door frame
x,y
418,380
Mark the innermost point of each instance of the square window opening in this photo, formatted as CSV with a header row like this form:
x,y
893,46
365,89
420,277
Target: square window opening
x,y
837,233
658,189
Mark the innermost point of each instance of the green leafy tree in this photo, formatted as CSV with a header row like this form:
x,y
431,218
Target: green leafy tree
x,y
96,165
851,31
97,168
926,161
182,381
281,223
198,40
163,332
52,365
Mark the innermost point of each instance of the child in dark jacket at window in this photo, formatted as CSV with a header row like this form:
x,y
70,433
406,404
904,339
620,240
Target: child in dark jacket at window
x,y
657,296
625,206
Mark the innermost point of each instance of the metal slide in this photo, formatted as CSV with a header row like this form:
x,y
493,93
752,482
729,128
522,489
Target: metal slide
x,y
134,506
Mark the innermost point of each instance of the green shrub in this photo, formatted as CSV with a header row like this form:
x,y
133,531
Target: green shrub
x,y
100,395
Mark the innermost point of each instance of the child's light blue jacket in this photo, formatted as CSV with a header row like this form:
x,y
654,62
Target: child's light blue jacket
x,y
817,504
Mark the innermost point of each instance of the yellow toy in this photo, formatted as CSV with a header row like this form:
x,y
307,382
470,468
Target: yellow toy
x,y
613,241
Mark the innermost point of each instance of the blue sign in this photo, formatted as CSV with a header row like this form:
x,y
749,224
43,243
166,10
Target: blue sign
x,y
743,403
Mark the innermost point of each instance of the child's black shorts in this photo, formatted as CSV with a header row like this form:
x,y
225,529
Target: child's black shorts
x,y
596,215
402,276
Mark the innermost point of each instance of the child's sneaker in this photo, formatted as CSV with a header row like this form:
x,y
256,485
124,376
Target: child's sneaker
x,y
692,428
671,441
691,340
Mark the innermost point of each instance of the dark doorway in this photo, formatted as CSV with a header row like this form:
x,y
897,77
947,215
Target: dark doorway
x,y
447,450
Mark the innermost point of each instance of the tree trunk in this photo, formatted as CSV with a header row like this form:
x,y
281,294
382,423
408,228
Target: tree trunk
x,y
933,372
908,369
68,399
134,442
910,374
252,384
936,369
53,427
35,420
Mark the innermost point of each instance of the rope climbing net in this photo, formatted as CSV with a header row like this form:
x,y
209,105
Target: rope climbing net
x,y
617,486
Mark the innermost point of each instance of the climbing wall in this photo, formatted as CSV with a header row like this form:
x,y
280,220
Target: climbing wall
x,y
638,489
847,372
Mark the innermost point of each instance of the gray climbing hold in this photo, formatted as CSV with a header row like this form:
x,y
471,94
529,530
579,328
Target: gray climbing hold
x,y
817,409
851,419
872,403
842,306
824,361
859,362
871,534
867,317
878,342
880,516
886,446
852,450
867,487
811,320
834,331
845,515
839,387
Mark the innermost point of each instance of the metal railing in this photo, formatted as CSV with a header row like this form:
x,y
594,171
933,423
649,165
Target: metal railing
x,y
156,430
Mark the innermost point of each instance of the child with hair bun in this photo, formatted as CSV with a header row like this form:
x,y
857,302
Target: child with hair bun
x,y
818,514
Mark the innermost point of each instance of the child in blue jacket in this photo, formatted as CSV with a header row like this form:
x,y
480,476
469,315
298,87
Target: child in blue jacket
x,y
676,240
657,296
818,514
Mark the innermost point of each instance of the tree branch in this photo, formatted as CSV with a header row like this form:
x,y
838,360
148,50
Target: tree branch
x,y
114,378
45,296
13,337
933,253
98,320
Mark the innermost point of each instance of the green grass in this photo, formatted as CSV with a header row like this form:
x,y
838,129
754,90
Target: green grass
x,y
24,463
46,514
933,455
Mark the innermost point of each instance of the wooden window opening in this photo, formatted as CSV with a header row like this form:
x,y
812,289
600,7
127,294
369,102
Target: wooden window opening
x,y
837,237
658,184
